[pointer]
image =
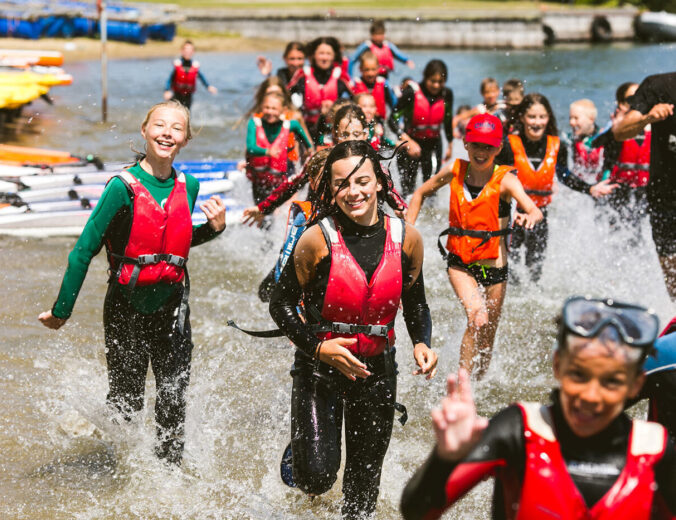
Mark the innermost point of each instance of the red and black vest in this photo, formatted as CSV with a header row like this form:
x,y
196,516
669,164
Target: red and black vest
x,y
315,93
159,237
269,170
539,183
633,165
355,307
427,119
185,81
587,161
385,57
378,93
548,491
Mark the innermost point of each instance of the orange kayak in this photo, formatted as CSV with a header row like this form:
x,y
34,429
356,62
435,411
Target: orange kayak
x,y
23,155
32,57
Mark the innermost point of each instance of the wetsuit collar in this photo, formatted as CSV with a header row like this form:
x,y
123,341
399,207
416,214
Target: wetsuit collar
x,y
350,227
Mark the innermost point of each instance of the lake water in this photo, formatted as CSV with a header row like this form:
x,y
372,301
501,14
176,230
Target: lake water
x,y
238,402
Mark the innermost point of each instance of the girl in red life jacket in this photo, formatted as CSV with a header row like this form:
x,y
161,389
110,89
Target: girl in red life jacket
x,y
578,458
294,58
427,110
144,220
370,82
268,146
376,129
539,157
317,86
479,213
351,267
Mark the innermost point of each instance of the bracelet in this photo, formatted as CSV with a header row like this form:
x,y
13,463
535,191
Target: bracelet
x,y
319,347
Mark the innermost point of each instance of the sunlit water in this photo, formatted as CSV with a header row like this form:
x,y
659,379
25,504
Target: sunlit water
x,y
238,402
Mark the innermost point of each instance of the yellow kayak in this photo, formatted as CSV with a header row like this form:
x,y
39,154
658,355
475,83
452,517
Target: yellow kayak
x,y
20,88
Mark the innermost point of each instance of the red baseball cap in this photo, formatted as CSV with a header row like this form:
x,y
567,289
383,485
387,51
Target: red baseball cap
x,y
484,128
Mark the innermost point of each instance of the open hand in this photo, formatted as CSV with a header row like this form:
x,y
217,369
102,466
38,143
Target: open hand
x,y
252,216
214,209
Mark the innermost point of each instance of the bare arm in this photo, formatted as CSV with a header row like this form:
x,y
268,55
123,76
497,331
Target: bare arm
x,y
530,214
429,187
634,122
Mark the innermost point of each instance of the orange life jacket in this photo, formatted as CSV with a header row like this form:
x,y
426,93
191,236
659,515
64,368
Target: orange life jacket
x,y
538,183
478,216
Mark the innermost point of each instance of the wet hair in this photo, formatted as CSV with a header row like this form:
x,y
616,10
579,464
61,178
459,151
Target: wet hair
x,y
587,106
512,85
462,108
177,105
435,67
367,56
332,42
528,101
262,91
377,27
293,46
315,164
621,92
488,82
323,199
349,112
331,114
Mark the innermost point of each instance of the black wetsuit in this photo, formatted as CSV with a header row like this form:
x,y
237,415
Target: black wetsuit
x,y
408,166
322,397
594,463
534,241
661,88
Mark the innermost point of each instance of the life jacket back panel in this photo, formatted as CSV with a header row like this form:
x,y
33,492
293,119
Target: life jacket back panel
x,y
156,230
480,214
633,164
549,491
315,92
352,299
185,81
427,119
269,170
378,93
537,183
587,162
385,57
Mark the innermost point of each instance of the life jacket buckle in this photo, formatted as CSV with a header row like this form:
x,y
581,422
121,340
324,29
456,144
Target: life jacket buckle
x,y
147,259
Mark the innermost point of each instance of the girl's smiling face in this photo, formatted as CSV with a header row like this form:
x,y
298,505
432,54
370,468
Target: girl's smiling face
x,y
535,121
165,133
357,198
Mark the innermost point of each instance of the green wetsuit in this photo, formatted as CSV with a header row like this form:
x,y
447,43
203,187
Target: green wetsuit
x,y
271,132
109,223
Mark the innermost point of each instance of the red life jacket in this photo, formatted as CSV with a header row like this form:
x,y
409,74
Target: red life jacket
x,y
315,93
355,307
427,119
385,57
633,164
548,491
269,170
185,81
538,183
378,93
479,214
376,133
587,161
159,238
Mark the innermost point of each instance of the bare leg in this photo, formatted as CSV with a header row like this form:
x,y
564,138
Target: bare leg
x,y
495,296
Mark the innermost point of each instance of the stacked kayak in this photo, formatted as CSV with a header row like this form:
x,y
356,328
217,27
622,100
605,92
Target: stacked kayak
x,y
58,200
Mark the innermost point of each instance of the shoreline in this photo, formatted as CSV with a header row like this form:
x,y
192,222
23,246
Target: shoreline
x,y
88,49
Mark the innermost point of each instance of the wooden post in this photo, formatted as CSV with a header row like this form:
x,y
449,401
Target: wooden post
x,y
103,27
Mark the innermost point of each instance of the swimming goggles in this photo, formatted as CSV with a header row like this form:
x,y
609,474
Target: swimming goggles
x,y
586,317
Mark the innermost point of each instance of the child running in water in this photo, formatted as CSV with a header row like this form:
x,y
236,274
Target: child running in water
x,y
294,58
586,159
479,213
182,81
376,130
370,82
385,51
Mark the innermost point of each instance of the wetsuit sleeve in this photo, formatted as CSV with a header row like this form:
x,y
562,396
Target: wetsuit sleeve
x,y
202,79
251,147
297,129
283,192
344,90
417,313
113,198
665,477
448,114
170,81
438,483
566,176
645,97
396,52
403,108
284,300
363,46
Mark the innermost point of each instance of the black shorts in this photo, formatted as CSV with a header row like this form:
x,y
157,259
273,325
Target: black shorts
x,y
484,276
663,222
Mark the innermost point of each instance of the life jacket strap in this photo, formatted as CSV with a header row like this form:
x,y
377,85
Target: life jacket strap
x,y
539,193
149,259
353,328
485,236
633,166
273,333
